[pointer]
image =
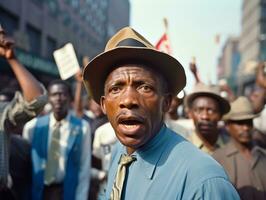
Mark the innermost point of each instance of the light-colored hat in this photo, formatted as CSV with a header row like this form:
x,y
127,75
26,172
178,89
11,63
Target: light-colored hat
x,y
129,47
201,89
241,109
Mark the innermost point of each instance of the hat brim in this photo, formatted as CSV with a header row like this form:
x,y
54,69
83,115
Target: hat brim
x,y
223,104
96,72
239,117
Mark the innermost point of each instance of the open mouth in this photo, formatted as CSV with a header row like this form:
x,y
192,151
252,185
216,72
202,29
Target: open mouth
x,y
130,124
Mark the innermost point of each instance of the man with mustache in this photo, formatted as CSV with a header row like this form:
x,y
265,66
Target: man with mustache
x,y
61,149
242,159
134,83
206,107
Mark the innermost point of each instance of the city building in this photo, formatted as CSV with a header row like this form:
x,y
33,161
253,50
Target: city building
x,y
41,26
229,62
252,43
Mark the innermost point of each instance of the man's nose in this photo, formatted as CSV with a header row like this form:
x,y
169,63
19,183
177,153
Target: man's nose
x,y
129,98
58,96
246,127
204,115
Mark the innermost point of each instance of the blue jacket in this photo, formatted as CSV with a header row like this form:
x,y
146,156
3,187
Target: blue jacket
x,y
39,157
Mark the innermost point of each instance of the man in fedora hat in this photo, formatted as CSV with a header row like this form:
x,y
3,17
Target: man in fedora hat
x,y
134,84
206,107
244,162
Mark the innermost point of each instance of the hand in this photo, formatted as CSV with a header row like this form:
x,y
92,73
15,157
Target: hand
x,y
193,68
6,45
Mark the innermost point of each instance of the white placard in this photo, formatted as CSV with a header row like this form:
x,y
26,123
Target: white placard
x,y
66,61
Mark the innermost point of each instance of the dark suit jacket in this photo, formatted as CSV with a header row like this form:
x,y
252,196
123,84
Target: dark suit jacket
x,y
253,186
20,167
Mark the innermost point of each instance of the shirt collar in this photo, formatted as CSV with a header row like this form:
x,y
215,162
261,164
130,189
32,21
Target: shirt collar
x,y
53,121
231,148
150,154
195,139
256,152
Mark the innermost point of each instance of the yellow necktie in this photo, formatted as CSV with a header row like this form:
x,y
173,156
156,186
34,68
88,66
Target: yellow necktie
x,y
52,163
124,161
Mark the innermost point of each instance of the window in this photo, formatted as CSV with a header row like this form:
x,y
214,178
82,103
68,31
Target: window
x,y
8,21
34,36
50,47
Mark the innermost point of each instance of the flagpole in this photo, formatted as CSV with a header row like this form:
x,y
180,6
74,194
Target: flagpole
x,y
165,21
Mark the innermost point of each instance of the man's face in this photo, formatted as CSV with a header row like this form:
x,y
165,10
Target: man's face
x,y
205,114
135,103
59,98
241,131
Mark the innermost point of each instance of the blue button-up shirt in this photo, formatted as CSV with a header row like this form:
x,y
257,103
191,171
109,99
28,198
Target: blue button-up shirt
x,y
170,167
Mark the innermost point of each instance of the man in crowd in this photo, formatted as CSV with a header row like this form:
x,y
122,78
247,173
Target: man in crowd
x,y
96,119
134,83
13,115
61,148
244,162
103,145
206,107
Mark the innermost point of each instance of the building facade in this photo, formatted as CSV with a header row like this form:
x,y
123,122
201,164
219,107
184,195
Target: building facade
x,y
252,44
229,62
41,26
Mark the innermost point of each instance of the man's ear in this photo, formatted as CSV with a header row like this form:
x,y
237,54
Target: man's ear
x,y
102,102
167,102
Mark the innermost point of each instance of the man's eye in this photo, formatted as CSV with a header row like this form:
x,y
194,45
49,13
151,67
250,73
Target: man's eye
x,y
145,88
114,90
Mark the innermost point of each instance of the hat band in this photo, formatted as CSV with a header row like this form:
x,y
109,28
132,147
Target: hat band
x,y
131,42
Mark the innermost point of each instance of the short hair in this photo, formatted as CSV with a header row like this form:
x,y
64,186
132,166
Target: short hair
x,y
61,82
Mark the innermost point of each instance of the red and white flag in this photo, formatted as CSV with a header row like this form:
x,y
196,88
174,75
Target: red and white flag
x,y
164,44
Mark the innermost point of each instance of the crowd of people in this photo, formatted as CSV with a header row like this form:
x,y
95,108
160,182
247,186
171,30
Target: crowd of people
x,y
133,136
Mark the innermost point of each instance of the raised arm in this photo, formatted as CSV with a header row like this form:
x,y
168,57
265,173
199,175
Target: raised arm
x,y
78,107
261,78
31,88
194,70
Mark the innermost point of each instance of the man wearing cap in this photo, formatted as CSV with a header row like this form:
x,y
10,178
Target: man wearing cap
x,y
244,162
206,107
134,84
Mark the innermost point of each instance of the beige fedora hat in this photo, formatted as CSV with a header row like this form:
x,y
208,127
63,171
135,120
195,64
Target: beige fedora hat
x,y
129,47
201,89
241,109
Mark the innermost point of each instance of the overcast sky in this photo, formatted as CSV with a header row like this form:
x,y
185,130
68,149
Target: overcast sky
x,y
193,25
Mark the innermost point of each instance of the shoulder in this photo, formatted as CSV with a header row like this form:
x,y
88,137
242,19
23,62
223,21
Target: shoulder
x,y
203,174
217,188
77,121
220,153
105,127
105,133
32,123
197,165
